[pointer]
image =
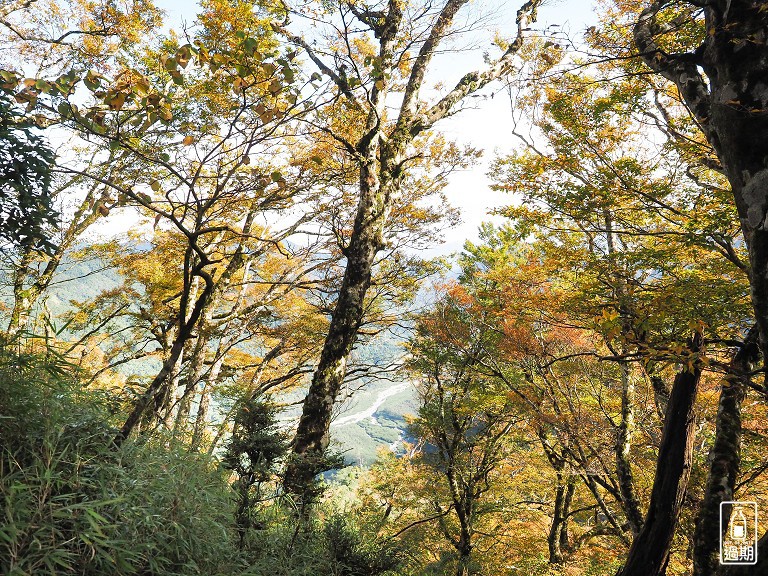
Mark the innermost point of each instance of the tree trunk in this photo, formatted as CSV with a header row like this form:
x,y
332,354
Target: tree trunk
x,y
557,539
630,501
196,355
25,298
649,553
201,419
464,544
731,106
381,157
186,326
312,435
724,458
622,450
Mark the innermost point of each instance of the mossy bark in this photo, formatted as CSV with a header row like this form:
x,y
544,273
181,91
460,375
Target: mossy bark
x,y
724,458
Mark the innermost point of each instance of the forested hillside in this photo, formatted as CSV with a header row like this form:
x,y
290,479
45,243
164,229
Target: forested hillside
x,y
232,343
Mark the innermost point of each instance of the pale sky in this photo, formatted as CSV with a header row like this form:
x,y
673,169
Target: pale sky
x,y
488,126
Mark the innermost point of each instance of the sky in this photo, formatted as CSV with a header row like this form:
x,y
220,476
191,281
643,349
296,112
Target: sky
x,y
487,125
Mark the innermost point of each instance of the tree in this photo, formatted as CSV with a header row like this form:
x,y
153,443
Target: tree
x,y
464,419
184,164
59,37
372,60
716,77
253,451
692,202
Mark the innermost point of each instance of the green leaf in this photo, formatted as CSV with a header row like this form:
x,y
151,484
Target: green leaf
x,y
169,63
250,45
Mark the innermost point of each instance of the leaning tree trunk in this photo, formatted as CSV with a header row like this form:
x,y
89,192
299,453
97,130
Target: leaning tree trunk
x,y
724,457
157,387
312,435
649,553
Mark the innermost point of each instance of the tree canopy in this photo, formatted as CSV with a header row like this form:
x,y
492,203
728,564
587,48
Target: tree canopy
x,y
233,340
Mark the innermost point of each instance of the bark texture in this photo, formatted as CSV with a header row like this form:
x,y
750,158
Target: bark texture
x,y
622,448
724,458
557,540
729,99
649,553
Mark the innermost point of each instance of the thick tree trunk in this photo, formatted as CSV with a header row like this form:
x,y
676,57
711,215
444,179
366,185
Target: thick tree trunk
x,y
649,553
724,458
312,434
381,157
464,512
731,106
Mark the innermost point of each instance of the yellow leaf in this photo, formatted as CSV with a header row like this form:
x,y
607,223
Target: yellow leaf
x,y
188,140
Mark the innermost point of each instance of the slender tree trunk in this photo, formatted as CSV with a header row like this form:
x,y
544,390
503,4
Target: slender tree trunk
x,y
381,154
156,388
649,553
724,458
167,405
25,298
195,370
557,539
660,394
201,419
630,501
622,451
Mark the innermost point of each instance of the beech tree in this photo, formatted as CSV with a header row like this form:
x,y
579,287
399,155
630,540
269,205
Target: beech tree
x,y
377,52
180,124
57,37
465,420
720,78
